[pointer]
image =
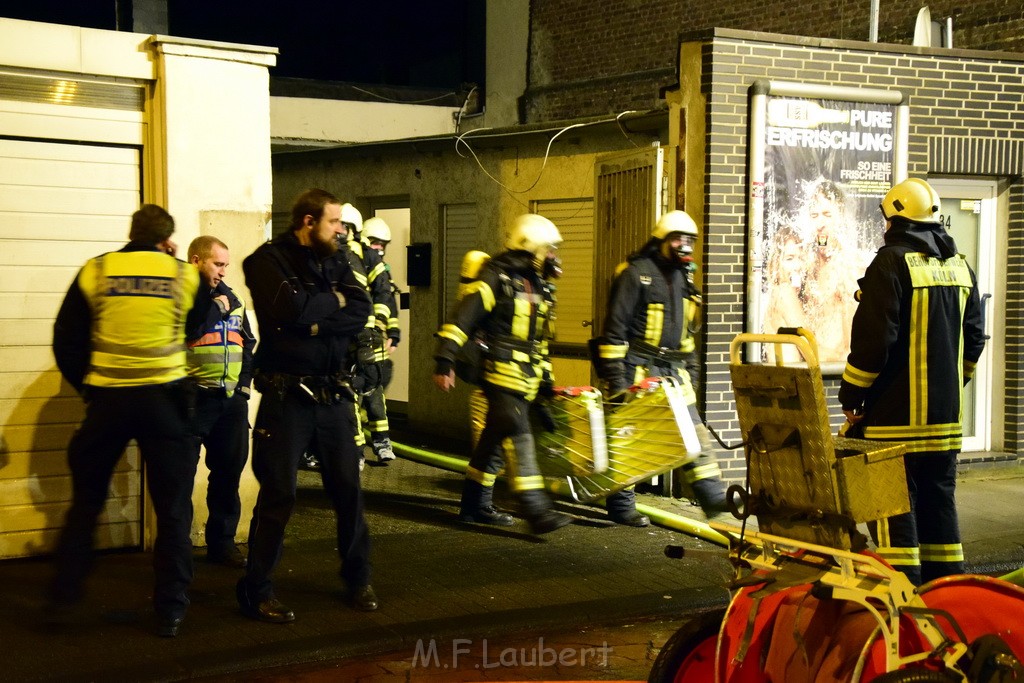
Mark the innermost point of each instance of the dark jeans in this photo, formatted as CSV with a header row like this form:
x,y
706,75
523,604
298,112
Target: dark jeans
x,y
222,425
157,418
285,429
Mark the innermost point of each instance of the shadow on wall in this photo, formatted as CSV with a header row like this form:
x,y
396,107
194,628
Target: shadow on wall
x,y
35,480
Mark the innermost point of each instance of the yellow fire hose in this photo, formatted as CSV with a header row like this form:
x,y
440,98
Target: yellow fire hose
x,y
660,517
1016,577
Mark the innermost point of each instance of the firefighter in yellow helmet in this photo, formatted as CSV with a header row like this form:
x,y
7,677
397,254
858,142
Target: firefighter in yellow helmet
x,y
653,311
510,304
375,236
370,355
917,335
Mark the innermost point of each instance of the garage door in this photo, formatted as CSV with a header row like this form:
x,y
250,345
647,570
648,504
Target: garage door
x,y
60,204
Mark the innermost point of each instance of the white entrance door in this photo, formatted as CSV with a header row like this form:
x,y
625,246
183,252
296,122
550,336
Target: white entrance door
x,y
968,211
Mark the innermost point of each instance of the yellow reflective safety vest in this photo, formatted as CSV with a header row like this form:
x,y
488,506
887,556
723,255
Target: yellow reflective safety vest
x,y
139,300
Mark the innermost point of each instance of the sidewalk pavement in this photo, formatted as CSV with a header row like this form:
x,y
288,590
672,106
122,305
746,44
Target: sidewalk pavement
x,y
436,579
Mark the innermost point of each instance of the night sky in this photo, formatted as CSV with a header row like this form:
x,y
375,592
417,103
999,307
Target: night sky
x,y
424,43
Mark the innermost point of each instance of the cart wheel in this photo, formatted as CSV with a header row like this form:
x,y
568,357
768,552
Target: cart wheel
x,y
689,655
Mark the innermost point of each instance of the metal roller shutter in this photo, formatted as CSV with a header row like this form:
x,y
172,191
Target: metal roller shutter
x,y
60,204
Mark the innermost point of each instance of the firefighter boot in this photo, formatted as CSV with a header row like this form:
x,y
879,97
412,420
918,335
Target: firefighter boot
x,y
622,509
542,517
382,449
477,506
710,494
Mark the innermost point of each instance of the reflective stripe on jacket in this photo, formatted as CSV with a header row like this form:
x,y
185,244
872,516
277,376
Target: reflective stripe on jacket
x,y
215,359
139,300
513,308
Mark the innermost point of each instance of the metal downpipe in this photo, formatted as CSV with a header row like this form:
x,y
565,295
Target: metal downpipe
x,y
663,518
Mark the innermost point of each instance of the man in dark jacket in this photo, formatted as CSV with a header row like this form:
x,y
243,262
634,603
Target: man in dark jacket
x,y
917,335
220,363
309,306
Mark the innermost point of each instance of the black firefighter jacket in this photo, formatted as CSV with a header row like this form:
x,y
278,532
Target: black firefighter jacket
x,y
511,308
917,335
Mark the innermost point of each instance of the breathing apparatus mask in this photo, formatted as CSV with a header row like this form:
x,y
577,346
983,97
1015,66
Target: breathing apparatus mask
x,y
552,268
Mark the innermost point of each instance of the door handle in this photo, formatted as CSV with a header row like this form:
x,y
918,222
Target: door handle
x,y
985,298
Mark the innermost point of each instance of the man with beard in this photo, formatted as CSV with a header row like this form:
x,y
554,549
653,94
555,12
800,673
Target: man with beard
x,y
653,307
309,306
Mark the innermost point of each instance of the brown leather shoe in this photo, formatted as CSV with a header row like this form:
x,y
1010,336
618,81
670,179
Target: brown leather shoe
x,y
271,611
363,598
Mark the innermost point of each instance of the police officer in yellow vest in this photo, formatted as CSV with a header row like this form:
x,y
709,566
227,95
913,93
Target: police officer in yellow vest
x,y
119,339
653,309
220,363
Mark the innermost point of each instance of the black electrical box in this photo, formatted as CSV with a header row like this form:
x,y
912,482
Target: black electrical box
x,y
417,272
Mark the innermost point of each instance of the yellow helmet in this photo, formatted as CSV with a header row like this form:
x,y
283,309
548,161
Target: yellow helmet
x,y
913,199
533,233
352,216
376,229
674,221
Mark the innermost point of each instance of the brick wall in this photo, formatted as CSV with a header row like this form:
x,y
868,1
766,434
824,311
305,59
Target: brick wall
x,y
594,57
966,118
1014,353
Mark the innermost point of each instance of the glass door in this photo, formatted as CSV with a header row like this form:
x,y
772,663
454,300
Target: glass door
x,y
968,212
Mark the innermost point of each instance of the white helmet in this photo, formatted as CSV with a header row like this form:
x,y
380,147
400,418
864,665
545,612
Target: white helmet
x,y
533,233
913,199
674,221
351,215
376,229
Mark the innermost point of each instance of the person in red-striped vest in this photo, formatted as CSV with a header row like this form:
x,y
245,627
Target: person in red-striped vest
x,y
220,363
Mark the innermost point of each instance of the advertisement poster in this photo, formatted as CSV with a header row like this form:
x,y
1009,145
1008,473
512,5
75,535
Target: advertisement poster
x,y
827,166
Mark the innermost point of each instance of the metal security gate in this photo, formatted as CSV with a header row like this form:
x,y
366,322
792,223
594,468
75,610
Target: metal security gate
x,y
630,195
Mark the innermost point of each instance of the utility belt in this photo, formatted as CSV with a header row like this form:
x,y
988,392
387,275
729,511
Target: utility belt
x,y
511,349
651,352
310,389
210,392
